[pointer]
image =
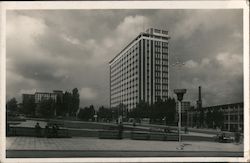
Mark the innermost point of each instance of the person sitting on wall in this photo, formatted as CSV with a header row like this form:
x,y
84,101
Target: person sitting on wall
x,y
38,130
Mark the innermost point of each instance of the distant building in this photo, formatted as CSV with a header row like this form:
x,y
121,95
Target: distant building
x,y
39,96
140,72
27,97
185,107
232,116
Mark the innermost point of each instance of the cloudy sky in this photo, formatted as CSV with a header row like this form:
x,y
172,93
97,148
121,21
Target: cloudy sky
x,y
64,49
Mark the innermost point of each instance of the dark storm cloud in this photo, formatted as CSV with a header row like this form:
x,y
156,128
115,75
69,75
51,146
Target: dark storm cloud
x,y
63,49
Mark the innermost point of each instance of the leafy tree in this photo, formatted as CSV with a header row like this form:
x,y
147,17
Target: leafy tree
x,y
141,111
86,113
75,101
201,118
29,107
104,113
67,103
164,110
195,119
218,118
12,105
170,110
209,119
157,111
46,108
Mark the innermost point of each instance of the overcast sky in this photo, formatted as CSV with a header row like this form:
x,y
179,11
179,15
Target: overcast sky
x,y
62,49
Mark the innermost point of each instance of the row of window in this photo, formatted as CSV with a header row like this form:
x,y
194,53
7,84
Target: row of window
x,y
233,117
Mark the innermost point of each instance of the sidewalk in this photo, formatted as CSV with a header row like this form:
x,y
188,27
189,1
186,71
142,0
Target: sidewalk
x,y
84,143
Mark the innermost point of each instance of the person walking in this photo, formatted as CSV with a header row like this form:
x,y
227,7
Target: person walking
x,y
38,130
120,130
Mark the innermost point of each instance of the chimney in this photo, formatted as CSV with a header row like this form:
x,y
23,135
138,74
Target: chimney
x,y
199,102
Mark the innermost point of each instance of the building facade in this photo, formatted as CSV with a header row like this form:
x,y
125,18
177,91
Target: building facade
x,y
232,116
39,96
56,95
27,97
140,71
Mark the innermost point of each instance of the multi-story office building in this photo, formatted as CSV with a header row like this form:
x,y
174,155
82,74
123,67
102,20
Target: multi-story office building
x,y
140,71
39,96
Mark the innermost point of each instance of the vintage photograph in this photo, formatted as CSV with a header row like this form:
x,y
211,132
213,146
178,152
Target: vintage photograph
x,y
124,83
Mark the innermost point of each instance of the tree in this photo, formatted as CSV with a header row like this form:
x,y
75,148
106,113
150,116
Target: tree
x,y
218,118
29,107
141,110
163,110
104,113
87,113
46,108
170,110
11,106
201,118
75,102
209,119
67,103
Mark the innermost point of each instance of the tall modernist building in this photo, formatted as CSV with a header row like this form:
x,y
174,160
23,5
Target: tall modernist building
x,y
140,71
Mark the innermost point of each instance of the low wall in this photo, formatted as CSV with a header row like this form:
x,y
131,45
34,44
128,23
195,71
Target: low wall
x,y
77,124
25,131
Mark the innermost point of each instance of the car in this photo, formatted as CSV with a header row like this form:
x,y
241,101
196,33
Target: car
x,y
223,138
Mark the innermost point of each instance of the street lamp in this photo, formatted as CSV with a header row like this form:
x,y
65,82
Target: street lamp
x,y
180,93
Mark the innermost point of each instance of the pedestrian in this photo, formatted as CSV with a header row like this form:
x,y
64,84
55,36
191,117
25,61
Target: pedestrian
x,y
120,130
38,130
46,131
237,136
54,130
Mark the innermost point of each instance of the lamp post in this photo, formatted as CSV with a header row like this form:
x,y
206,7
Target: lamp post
x,y
180,93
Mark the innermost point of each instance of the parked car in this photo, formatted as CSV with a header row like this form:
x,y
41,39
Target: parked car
x,y
223,138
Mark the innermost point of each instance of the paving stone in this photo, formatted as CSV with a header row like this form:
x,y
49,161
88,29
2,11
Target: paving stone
x,y
83,143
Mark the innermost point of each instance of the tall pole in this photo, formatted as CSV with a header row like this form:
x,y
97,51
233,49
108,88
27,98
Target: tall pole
x,y
179,123
180,93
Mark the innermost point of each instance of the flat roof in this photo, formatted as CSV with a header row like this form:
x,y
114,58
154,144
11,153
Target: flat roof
x,y
136,38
